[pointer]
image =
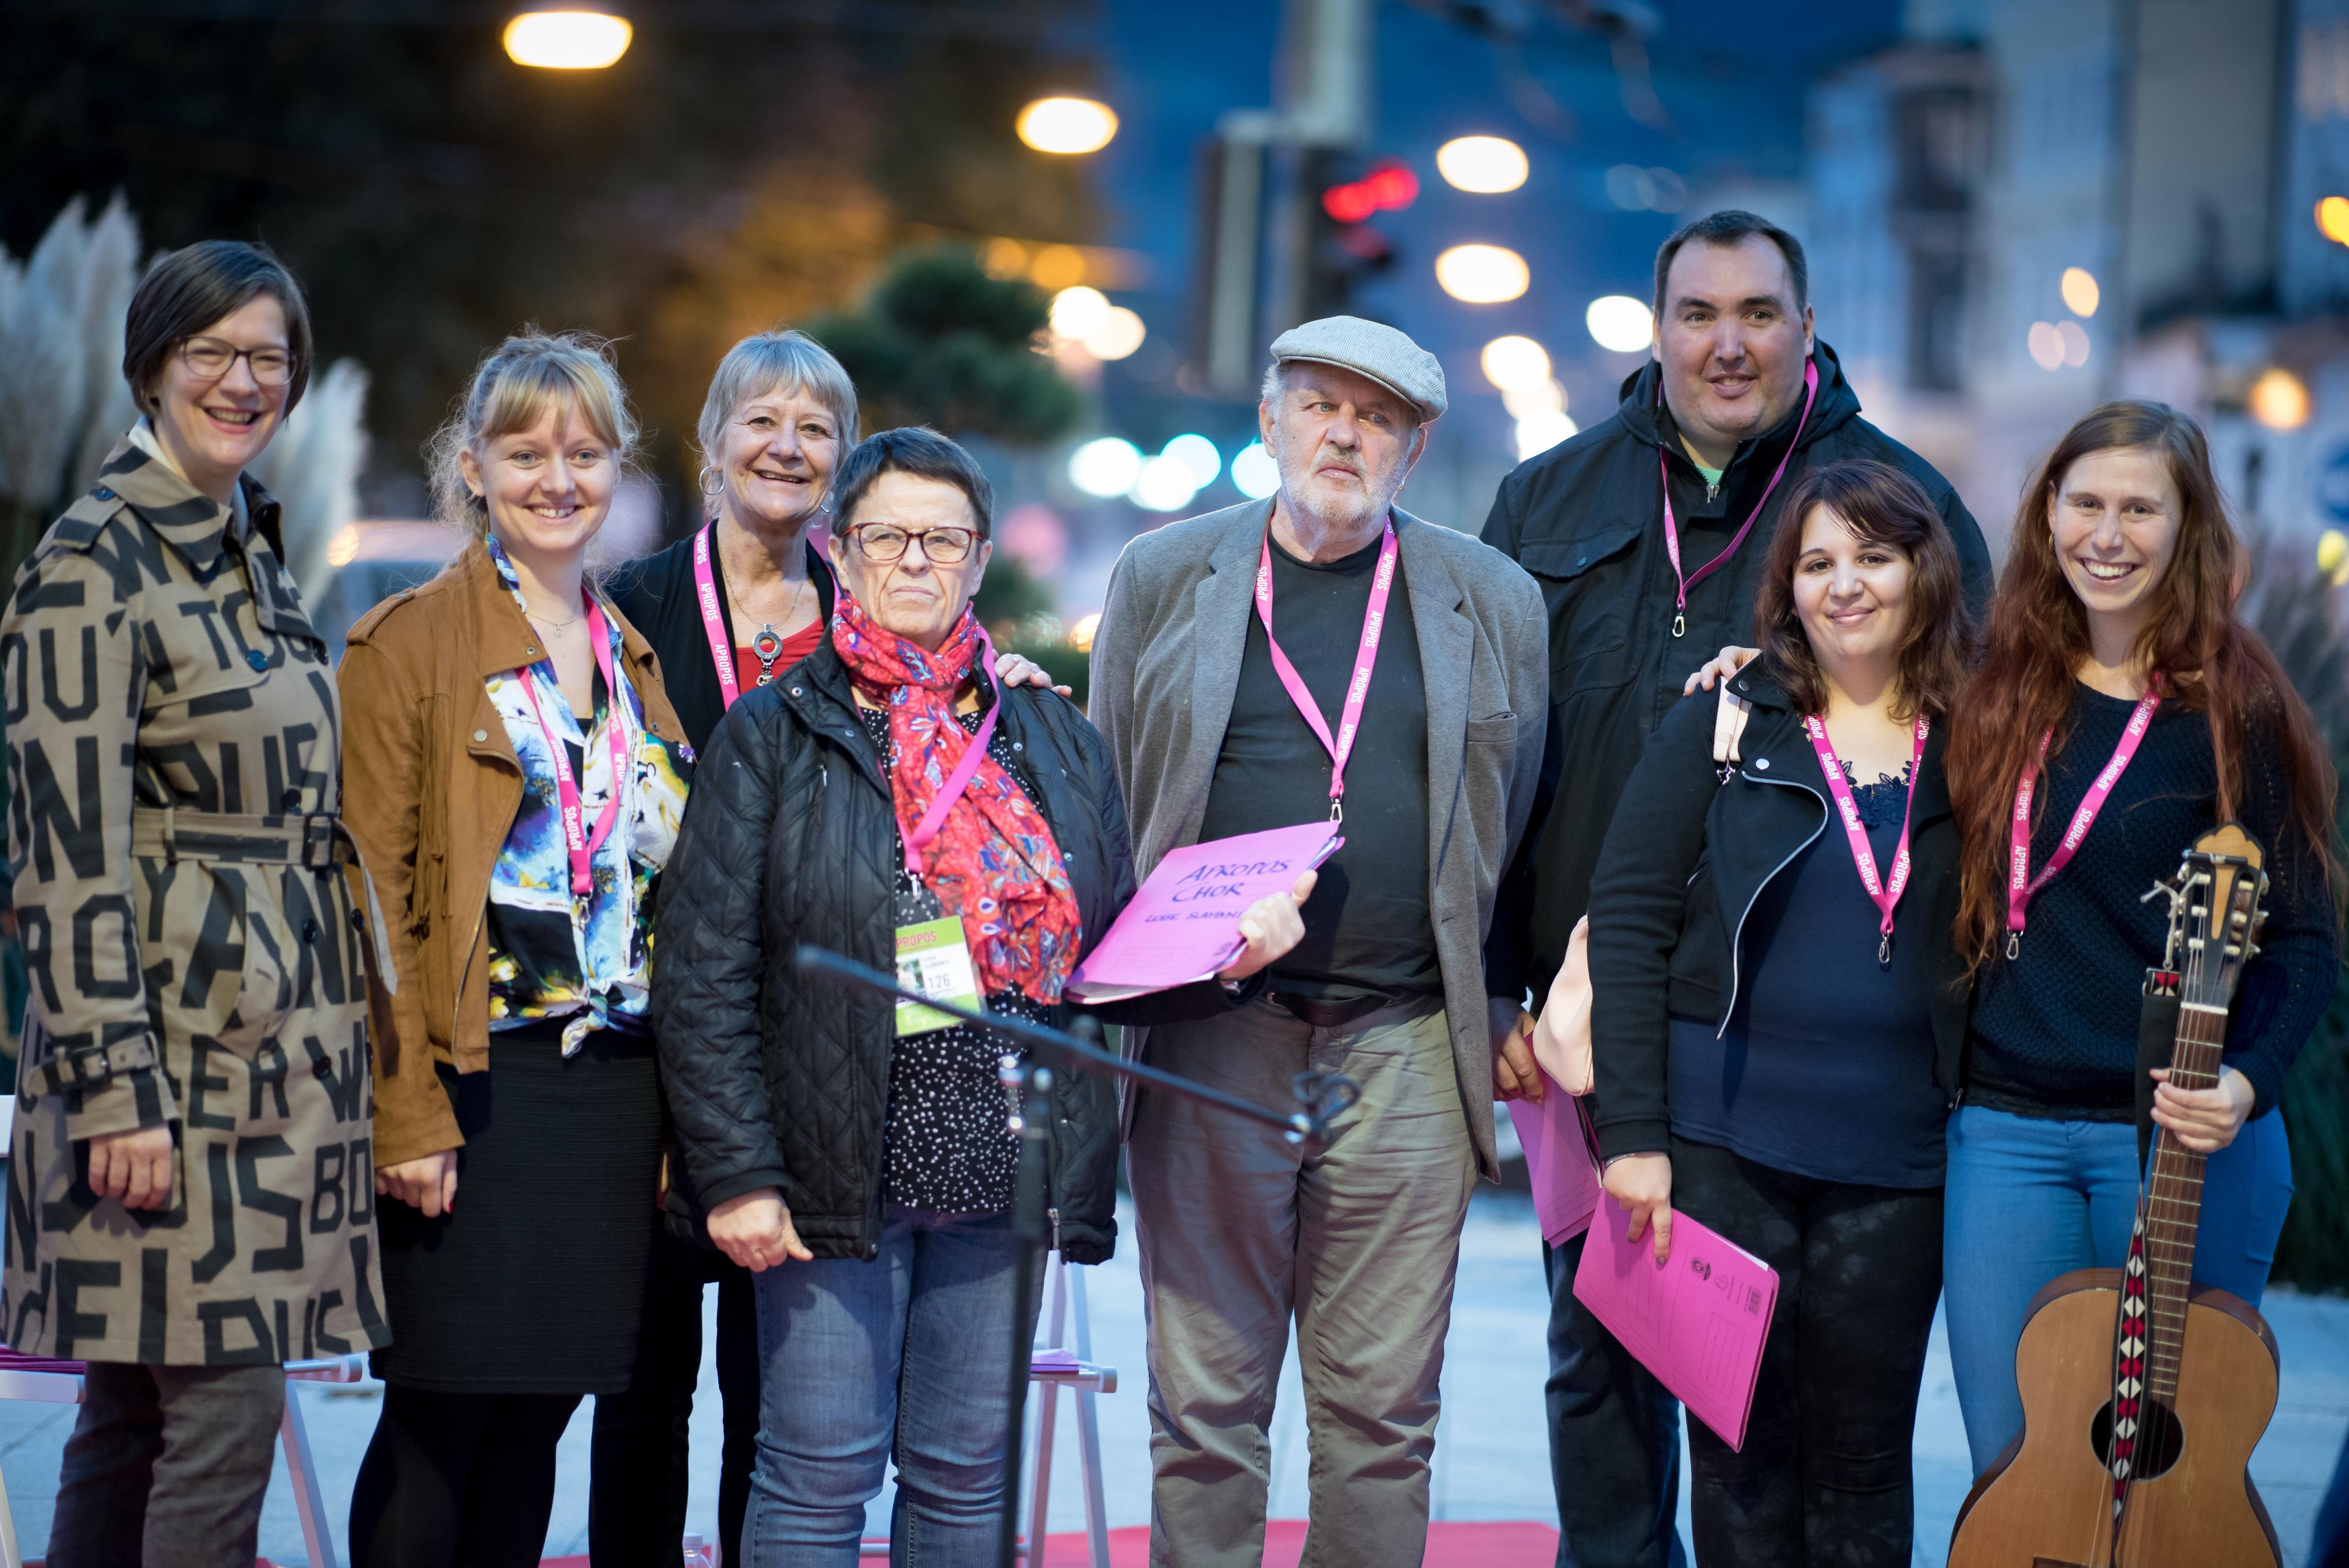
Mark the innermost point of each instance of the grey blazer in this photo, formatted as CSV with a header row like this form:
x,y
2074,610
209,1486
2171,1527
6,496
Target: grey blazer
x,y
1167,662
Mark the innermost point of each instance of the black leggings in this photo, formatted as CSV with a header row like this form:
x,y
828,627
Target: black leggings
x,y
640,1471
457,1479
1825,1478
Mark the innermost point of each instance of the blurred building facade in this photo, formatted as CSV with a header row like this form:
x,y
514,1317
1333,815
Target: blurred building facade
x,y
2028,206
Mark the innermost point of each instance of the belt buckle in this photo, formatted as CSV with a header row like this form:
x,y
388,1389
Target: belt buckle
x,y
319,842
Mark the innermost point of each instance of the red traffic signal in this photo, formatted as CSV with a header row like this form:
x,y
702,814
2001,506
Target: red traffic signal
x,y
1389,185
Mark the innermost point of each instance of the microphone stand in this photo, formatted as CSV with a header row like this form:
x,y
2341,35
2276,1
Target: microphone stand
x,y
1028,1086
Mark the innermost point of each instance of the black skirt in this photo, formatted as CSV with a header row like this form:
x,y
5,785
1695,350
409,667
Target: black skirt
x,y
535,1282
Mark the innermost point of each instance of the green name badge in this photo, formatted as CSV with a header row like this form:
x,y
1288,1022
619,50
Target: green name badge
x,y
933,959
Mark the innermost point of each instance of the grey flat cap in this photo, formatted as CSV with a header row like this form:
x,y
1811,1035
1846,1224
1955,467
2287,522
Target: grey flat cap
x,y
1368,348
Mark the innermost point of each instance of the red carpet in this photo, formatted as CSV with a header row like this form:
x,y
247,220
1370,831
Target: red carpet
x,y
1515,1544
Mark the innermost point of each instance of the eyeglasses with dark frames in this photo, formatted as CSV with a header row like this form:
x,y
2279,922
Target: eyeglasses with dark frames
x,y
212,358
885,541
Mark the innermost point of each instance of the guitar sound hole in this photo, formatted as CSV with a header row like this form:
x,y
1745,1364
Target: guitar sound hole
x,y
2160,1440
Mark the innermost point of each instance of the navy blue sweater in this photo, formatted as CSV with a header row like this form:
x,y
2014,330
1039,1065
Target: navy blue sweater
x,y
2055,1031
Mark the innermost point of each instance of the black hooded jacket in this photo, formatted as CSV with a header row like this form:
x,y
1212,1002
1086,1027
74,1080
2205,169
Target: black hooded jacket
x,y
1586,519
776,1080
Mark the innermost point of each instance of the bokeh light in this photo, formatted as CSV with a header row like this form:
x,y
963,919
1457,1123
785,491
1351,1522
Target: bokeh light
x,y
2081,295
2073,339
1082,634
2046,346
2333,219
1165,485
1254,471
1035,535
1513,363
1067,125
566,40
1198,454
1546,397
2278,399
1488,165
1541,430
1080,311
1120,334
2332,556
1620,323
1482,275
1105,466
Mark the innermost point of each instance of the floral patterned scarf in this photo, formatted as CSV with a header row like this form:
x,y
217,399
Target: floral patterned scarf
x,y
994,862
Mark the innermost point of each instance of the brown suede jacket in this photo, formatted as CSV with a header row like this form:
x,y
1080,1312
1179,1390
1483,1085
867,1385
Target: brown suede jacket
x,y
432,785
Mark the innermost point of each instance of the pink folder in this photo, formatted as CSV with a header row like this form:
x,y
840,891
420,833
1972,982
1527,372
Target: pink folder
x,y
1558,1162
1696,1321
1183,923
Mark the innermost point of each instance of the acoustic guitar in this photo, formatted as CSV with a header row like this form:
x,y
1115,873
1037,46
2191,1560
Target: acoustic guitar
x,y
2144,1393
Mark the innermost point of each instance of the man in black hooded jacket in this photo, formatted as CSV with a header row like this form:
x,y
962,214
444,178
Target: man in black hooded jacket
x,y
1739,398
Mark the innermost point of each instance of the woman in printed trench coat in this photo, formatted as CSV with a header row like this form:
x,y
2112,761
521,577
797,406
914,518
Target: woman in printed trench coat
x,y
196,944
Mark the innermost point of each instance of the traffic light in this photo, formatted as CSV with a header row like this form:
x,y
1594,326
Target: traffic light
x,y
1342,248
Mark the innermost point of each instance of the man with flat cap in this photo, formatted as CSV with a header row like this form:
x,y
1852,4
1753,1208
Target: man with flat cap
x,y
1318,652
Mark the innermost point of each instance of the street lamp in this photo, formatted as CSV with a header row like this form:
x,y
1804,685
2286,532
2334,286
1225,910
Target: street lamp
x,y
1067,125
1620,323
1488,165
1482,275
567,40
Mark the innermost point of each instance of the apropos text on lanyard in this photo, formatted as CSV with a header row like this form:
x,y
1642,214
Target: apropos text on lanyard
x,y
767,647
1682,582
1884,892
577,837
1358,685
2021,887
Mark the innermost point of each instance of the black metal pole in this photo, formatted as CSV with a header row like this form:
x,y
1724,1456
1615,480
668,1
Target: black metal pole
x,y
1030,1227
1322,1094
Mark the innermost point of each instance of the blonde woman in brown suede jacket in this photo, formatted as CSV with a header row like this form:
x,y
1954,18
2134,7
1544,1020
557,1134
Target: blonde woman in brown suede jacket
x,y
521,775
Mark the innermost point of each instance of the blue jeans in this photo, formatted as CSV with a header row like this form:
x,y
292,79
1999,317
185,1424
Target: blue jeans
x,y
906,1355
2030,1199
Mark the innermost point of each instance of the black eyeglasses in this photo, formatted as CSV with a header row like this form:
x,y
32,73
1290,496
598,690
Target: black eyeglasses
x,y
885,541
210,357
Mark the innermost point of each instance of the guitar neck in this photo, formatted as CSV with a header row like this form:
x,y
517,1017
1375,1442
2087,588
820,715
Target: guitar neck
x,y
2173,1203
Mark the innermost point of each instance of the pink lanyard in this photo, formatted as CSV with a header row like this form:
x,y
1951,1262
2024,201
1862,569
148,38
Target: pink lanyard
x,y
582,843
1672,536
2021,885
713,626
1886,895
935,819
1366,654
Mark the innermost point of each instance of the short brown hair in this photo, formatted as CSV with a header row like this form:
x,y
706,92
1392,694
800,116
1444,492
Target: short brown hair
x,y
195,287
1729,227
1883,506
921,451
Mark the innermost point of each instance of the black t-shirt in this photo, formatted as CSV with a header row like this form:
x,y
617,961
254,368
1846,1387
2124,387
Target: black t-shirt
x,y
1367,927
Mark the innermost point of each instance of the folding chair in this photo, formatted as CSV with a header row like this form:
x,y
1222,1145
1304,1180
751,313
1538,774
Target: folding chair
x,y
39,1378
1052,1366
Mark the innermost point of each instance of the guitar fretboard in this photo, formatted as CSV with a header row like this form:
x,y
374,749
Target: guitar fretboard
x,y
2173,1203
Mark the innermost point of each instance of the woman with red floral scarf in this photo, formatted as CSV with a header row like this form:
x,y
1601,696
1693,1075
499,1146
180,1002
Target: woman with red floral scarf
x,y
886,798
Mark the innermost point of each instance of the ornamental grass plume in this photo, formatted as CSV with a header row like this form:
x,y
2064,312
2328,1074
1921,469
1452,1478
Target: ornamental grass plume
x,y
43,376
312,468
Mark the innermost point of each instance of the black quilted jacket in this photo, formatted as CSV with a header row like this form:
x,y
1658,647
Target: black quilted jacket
x,y
773,1080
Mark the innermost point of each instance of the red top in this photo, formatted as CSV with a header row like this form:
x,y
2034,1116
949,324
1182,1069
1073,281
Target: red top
x,y
796,647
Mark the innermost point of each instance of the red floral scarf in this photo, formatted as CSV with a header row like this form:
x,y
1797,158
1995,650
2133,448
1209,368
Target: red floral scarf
x,y
994,862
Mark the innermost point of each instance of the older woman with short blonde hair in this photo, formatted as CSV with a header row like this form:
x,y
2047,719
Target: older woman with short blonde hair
x,y
520,776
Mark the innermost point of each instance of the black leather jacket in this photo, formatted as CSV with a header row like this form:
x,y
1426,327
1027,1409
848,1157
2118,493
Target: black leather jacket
x,y
1683,862
776,1080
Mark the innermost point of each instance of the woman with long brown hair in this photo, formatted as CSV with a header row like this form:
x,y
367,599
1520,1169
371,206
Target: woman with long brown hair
x,y
2122,710
1777,1011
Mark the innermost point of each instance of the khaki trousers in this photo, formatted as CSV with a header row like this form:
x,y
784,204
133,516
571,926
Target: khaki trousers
x,y
1239,1231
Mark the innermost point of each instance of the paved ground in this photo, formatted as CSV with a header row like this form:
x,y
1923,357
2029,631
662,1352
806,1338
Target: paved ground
x,y
1490,1458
